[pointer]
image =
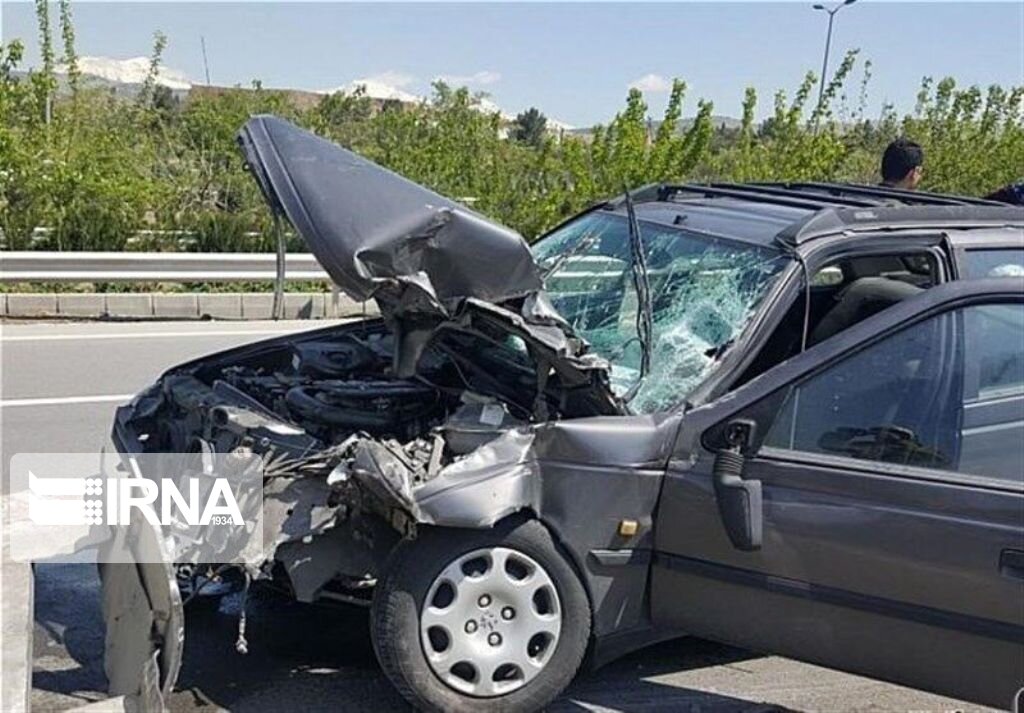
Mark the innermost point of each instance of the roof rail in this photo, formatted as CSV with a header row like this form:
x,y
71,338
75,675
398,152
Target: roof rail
x,y
718,190
840,190
775,189
906,217
837,207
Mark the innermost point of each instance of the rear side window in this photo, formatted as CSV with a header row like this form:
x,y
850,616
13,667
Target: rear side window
x,y
1001,262
992,421
995,352
946,394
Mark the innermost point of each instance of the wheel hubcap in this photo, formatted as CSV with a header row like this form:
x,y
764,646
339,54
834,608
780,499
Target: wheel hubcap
x,y
490,622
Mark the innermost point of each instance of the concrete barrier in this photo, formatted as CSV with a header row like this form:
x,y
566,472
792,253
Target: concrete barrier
x,y
179,305
220,306
81,305
176,306
257,306
303,306
127,304
31,305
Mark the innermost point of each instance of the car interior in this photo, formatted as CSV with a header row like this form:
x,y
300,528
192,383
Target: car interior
x,y
842,294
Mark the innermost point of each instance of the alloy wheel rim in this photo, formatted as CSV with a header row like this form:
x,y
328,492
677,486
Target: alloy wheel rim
x,y
490,622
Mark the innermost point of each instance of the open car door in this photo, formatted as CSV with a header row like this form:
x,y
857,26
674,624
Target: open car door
x,y
861,506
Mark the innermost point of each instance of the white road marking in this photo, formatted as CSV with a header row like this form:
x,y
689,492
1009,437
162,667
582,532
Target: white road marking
x,y
145,335
65,400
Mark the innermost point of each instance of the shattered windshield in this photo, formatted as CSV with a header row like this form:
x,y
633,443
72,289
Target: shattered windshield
x,y
704,290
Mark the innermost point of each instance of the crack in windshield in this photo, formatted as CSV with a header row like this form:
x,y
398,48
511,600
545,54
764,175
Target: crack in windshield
x,y
703,292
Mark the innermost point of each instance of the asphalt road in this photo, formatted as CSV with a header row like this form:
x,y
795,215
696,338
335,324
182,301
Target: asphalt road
x,y
59,384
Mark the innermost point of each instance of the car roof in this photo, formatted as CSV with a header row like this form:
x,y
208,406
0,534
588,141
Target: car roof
x,y
796,213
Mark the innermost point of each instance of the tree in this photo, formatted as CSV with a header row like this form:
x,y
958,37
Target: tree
x,y
164,100
92,167
529,127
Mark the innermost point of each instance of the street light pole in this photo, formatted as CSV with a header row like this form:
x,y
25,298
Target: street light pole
x,y
828,43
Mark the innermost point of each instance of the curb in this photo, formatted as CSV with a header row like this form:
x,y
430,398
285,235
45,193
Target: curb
x,y
216,305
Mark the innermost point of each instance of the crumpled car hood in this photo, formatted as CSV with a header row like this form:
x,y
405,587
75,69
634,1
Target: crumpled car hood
x,y
371,228
429,262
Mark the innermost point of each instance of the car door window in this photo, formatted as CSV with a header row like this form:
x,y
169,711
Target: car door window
x,y
995,262
992,436
946,393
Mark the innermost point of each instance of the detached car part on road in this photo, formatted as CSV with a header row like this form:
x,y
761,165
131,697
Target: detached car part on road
x,y
781,416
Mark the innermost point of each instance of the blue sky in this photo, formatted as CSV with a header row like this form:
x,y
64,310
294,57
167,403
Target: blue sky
x,y
574,61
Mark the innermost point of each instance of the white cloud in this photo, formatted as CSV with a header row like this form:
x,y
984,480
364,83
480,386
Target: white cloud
x,y
482,78
653,83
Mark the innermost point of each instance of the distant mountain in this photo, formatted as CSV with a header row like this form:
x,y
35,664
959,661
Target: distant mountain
x,y
128,71
376,89
556,125
719,121
122,77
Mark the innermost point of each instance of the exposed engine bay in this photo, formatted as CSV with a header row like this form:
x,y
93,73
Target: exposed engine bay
x,y
304,396
350,441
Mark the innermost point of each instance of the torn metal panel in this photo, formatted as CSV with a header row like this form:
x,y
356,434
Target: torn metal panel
x,y
511,472
356,554
494,481
295,508
145,620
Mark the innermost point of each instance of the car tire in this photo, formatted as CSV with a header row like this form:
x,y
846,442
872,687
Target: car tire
x,y
399,618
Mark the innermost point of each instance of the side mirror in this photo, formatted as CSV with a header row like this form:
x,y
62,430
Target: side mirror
x,y
739,500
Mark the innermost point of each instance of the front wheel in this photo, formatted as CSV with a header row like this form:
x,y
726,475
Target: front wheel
x,y
480,620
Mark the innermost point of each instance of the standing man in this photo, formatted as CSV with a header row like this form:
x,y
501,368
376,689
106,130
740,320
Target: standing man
x,y
901,164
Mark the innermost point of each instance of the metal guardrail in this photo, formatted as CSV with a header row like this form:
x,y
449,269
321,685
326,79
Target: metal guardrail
x,y
39,266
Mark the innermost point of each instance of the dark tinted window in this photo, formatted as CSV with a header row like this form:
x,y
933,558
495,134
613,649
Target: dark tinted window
x,y
946,393
1002,262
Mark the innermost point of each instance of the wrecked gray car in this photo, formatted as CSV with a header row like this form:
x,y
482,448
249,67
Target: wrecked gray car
x,y
713,410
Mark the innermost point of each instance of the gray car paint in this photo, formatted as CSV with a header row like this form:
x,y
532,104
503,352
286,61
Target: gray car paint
x,y
874,568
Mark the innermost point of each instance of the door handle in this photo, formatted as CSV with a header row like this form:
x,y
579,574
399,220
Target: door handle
x,y
1011,563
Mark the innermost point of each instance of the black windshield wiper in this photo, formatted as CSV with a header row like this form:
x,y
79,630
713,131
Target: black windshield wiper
x,y
644,317
585,241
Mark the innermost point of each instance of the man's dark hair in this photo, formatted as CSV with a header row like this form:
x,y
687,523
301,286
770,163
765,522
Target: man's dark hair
x,y
900,158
